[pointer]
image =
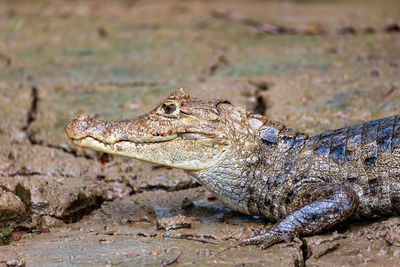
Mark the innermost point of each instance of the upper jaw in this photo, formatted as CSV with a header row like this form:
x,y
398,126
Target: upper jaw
x,y
112,132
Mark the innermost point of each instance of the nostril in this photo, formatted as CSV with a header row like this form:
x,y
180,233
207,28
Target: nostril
x,y
78,126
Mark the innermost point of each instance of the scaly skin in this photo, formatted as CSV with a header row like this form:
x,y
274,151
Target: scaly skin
x,y
258,166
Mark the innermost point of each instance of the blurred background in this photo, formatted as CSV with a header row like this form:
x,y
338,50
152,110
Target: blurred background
x,y
314,65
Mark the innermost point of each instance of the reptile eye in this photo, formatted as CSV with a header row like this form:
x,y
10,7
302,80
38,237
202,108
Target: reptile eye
x,y
169,109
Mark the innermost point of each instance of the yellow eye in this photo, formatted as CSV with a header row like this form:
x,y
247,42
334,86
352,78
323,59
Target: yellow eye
x,y
169,108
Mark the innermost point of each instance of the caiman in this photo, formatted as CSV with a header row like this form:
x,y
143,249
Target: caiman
x,y
258,166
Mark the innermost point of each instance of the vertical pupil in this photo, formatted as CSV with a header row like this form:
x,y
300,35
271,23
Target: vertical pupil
x,y
169,108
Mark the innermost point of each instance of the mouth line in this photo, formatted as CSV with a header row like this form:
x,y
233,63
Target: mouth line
x,y
155,140
143,141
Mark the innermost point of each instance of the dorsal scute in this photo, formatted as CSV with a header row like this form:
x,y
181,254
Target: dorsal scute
x,y
271,130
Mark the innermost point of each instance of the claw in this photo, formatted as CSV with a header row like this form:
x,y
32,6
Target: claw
x,y
264,245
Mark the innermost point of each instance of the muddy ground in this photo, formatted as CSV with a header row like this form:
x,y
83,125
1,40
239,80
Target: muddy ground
x,y
328,64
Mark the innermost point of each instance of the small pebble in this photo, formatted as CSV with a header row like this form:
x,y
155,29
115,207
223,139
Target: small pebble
x,y
374,73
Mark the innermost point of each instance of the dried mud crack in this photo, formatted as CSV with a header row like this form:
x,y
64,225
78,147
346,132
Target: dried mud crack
x,y
305,251
32,112
33,108
257,98
166,188
64,149
32,117
82,206
221,63
274,29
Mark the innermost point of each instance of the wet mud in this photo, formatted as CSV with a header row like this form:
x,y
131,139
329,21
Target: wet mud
x,y
314,65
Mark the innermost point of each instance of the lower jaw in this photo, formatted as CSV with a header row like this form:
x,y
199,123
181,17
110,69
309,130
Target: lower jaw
x,y
189,158
76,141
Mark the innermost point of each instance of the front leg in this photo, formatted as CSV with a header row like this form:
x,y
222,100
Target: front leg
x,y
318,207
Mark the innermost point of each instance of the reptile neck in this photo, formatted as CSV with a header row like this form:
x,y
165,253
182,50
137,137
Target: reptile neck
x,y
229,180
250,174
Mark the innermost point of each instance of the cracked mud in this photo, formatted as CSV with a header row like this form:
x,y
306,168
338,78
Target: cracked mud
x,y
311,64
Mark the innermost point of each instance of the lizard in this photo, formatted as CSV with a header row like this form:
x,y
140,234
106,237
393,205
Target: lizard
x,y
258,166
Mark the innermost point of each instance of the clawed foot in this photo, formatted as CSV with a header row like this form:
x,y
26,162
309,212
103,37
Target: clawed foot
x,y
264,241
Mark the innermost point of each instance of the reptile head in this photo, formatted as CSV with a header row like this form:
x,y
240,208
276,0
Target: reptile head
x,y
181,132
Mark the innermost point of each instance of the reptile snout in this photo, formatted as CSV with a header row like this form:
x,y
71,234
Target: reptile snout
x,y
78,127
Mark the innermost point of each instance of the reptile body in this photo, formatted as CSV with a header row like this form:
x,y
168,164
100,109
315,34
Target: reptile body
x,y
260,167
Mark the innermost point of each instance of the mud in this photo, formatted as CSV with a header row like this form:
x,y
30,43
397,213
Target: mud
x,y
174,223
62,205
